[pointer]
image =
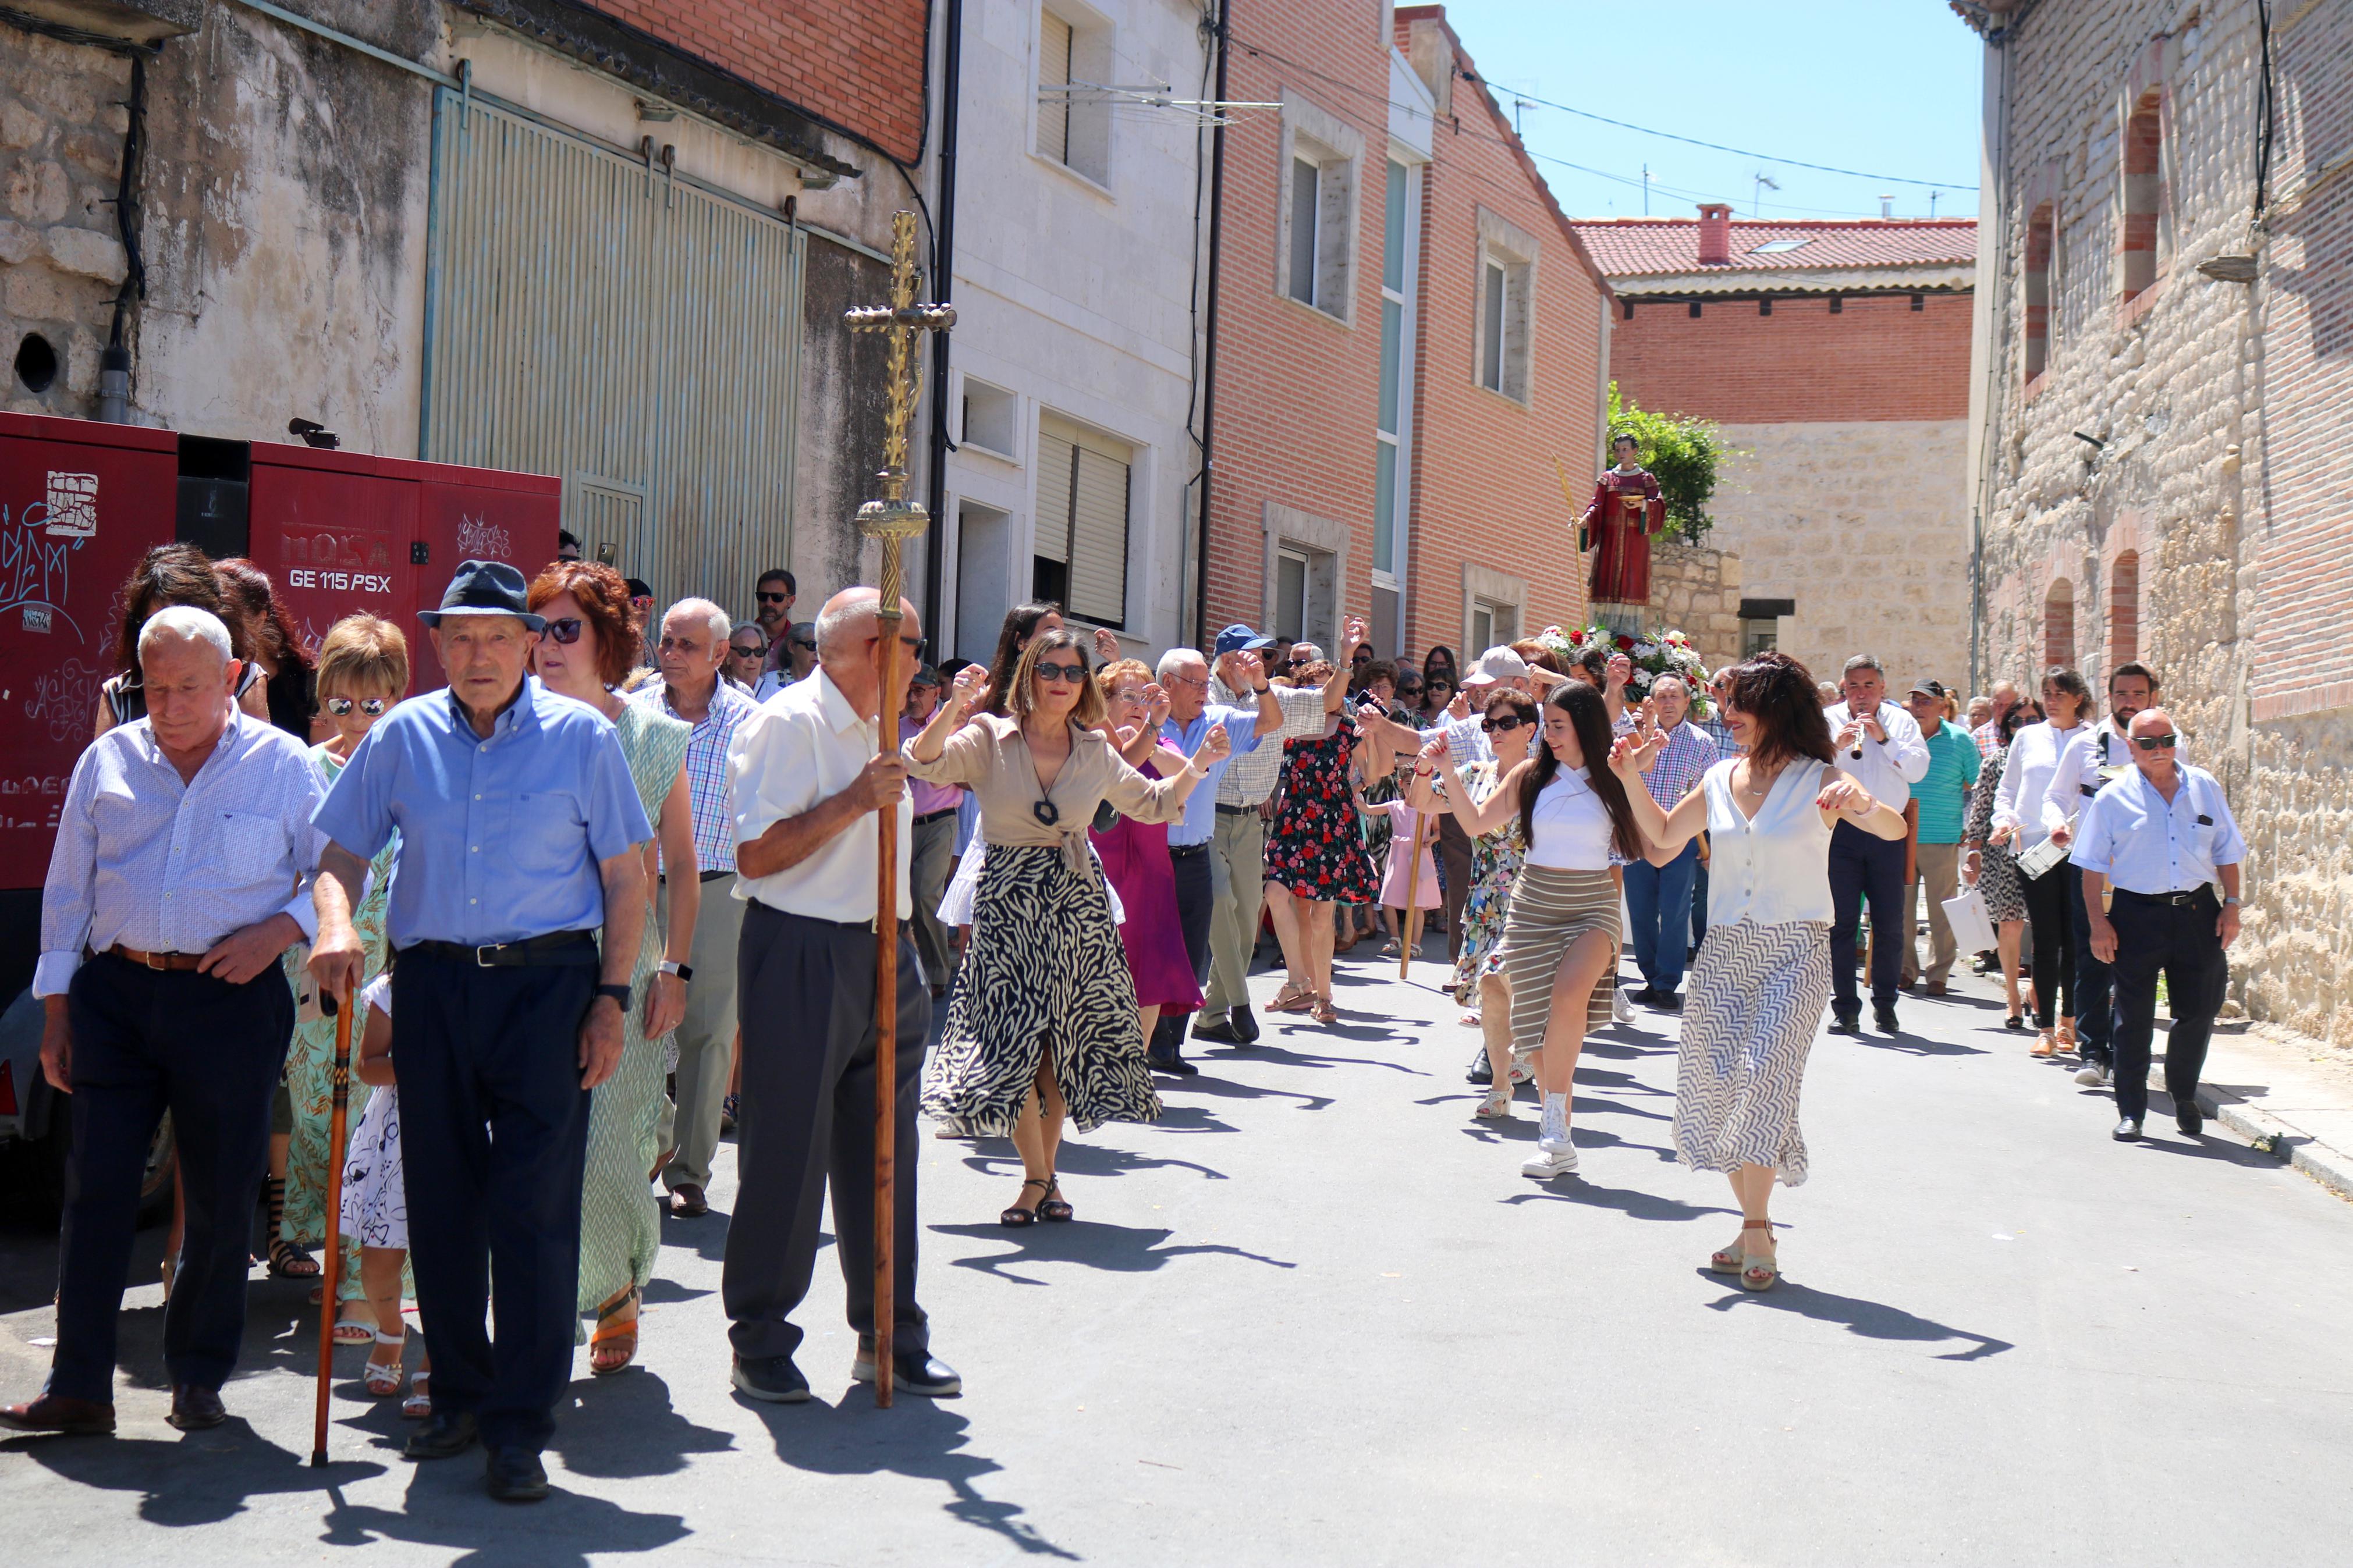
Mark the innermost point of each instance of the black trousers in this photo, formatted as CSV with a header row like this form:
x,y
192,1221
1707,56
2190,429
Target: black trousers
x,y
1454,861
147,1041
494,1138
1197,901
805,1117
2093,991
2180,942
2054,907
1863,866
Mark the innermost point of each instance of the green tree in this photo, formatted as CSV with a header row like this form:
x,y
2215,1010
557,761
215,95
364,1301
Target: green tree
x,y
1684,454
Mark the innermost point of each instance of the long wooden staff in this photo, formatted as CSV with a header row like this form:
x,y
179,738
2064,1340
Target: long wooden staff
x,y
330,1277
886,1006
1413,895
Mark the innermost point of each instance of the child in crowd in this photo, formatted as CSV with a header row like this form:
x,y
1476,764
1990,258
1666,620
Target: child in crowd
x,y
375,1206
1409,881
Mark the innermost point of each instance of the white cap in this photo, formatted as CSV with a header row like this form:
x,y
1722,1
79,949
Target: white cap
x,y
1496,664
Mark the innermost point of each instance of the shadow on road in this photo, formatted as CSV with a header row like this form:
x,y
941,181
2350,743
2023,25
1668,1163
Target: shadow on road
x,y
446,1507
1872,1319
1077,1159
1114,1248
633,1431
202,1478
1632,1201
1226,1089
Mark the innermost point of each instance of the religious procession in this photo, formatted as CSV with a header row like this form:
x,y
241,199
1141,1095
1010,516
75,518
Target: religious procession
x,y
480,931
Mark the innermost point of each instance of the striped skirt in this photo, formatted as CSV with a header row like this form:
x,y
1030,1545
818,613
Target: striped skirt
x,y
1550,908
1750,1014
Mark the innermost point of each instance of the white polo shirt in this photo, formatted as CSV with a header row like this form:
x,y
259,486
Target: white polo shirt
x,y
804,745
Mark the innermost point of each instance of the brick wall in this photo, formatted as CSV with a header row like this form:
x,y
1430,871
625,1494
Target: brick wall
x,y
861,67
1877,358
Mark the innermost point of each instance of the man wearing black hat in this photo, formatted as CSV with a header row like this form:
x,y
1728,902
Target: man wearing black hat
x,y
519,839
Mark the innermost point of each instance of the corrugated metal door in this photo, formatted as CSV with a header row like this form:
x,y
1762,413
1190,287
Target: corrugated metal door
x,y
591,318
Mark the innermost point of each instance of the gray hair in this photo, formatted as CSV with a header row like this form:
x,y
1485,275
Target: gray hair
x,y
1681,684
1865,662
184,622
844,611
720,625
1175,659
1314,655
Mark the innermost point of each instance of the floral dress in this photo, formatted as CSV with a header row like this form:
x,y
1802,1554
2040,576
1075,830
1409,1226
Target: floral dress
x,y
1317,849
1495,860
1998,878
311,1066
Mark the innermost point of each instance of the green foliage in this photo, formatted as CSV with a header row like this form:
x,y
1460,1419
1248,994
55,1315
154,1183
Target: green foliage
x,y
1684,454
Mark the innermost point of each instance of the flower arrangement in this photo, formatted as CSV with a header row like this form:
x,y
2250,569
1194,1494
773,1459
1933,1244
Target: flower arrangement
x,y
1652,655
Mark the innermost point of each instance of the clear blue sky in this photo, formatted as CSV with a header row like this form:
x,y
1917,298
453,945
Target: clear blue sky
x,y
1885,86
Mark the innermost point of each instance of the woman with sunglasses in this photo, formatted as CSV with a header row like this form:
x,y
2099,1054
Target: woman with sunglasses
x,y
747,650
1315,855
1990,868
1438,690
1496,856
591,643
363,670
1042,1023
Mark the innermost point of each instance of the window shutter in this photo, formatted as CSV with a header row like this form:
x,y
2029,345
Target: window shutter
x,y
1306,196
1053,71
1491,331
1054,454
1099,540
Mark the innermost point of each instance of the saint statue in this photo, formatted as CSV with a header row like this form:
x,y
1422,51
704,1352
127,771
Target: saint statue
x,y
1626,512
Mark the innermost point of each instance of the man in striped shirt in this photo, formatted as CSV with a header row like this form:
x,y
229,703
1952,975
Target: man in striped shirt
x,y
1987,735
1659,898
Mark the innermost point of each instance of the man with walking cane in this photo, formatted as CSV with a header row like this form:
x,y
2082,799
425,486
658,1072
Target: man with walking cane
x,y
183,845
808,785
520,833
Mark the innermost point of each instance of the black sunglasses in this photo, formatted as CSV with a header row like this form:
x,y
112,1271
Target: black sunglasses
x,y
737,650
768,598
564,632
341,707
1295,660
1504,725
1074,673
2152,742
811,646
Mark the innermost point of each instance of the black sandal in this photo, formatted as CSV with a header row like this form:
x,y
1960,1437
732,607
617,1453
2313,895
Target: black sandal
x,y
1018,1217
287,1261
1052,1207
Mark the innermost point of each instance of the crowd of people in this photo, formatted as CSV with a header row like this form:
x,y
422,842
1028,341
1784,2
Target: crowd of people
x,y
612,893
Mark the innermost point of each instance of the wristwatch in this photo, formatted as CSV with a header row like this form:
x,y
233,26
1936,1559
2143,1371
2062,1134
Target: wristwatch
x,y
617,992
683,970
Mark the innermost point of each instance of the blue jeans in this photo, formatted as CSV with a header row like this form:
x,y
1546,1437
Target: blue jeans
x,y
1659,898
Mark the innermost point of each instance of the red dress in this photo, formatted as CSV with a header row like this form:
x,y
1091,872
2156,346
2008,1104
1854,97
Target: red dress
x,y
1134,856
1625,513
1317,849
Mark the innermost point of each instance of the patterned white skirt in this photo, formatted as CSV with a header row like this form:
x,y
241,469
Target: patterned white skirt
x,y
1753,1007
375,1199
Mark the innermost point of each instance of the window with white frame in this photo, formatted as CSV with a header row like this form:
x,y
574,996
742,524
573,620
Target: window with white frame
x,y
1085,485
1506,321
1306,581
1316,216
1392,439
1493,604
988,418
1074,46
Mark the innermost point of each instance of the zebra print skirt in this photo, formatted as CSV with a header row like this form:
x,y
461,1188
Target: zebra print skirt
x,y
1753,1006
1045,973
1551,907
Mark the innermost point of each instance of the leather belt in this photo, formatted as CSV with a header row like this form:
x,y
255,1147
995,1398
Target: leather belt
x,y
182,962
2193,896
714,876
1176,851
1225,810
936,815
557,949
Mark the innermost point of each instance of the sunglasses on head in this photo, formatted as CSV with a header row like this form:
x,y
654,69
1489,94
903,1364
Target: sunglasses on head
x,y
1504,725
566,631
1074,673
341,707
766,598
2153,743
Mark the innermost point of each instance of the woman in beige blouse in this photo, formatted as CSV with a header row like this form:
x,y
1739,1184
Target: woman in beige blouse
x,y
1042,1024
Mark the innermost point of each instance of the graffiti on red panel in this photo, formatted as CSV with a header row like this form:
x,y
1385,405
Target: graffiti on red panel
x,y
480,539
36,560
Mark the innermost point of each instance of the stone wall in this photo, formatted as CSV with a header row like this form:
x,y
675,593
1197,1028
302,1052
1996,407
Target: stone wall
x,y
1864,525
2221,412
1696,590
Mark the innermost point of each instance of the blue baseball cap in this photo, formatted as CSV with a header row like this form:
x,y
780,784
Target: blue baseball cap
x,y
1239,639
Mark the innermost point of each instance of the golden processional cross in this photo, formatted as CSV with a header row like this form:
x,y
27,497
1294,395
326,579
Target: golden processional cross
x,y
891,521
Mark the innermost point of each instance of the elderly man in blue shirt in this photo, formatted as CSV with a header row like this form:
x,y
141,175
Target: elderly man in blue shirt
x,y
176,883
2161,836
519,839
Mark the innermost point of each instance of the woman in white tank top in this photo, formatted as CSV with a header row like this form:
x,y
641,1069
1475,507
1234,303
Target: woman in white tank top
x,y
1763,977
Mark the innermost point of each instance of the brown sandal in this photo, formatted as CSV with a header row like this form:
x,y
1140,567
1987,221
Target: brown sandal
x,y
1756,1275
1287,1001
1323,1013
611,1331
1731,1258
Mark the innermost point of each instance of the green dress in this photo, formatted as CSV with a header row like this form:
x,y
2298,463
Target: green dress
x,y
620,1225
310,1068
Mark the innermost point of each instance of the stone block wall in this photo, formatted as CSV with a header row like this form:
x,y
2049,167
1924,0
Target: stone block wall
x,y
1697,591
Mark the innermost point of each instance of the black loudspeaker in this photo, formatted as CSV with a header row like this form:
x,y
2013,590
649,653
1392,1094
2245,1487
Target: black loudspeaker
x,y
215,511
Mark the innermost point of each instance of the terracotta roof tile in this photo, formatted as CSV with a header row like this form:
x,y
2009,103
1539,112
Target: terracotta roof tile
x,y
1642,246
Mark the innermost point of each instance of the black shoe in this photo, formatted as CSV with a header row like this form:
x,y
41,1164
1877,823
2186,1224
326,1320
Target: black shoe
x,y
912,1372
2189,1117
1170,1063
1846,1023
1245,1027
195,1409
1882,1013
1223,1032
1664,1001
774,1378
515,1475
1480,1073
442,1436
2127,1131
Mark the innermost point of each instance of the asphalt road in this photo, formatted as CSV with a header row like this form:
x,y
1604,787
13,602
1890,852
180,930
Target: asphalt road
x,y
1315,1315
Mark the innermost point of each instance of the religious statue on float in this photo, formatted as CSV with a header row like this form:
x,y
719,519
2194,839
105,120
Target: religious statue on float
x,y
1626,512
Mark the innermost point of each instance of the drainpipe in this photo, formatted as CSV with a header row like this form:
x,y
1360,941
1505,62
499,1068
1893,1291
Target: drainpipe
x,y
1209,336
114,360
943,289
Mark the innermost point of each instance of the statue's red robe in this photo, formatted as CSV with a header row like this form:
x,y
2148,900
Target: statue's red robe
x,y
1626,512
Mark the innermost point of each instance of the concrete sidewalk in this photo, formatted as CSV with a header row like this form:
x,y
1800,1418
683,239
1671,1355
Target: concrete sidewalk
x,y
2286,1094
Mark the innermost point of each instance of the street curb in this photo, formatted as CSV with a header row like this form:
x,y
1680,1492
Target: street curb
x,y
2332,1168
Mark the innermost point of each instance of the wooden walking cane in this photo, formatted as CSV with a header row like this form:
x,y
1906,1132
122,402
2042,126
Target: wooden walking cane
x,y
330,1276
1413,895
890,521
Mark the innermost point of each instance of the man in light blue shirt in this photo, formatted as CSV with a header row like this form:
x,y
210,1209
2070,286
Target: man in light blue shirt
x,y
2162,836
519,832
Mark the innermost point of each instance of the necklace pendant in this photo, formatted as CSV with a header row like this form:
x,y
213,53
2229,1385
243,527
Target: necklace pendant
x,y
1046,813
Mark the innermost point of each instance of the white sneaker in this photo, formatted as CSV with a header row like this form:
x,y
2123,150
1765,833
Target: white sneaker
x,y
1621,1010
2091,1075
1551,1159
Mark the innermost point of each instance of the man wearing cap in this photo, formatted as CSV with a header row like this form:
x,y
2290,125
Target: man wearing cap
x,y
934,835
171,891
1237,845
2161,835
1943,795
519,839
694,640
1878,742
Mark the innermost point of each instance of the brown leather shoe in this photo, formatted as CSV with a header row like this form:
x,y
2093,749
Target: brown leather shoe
x,y
1936,988
194,1409
688,1201
66,1417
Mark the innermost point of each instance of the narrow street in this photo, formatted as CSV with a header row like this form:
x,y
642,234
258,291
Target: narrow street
x,y
1315,1315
